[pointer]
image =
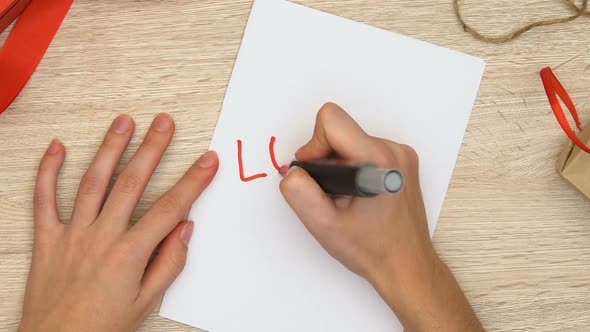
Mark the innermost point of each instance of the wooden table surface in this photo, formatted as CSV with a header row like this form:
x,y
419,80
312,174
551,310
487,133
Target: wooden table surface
x,y
516,236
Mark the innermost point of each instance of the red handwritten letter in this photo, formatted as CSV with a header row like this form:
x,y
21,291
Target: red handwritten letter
x,y
271,149
241,166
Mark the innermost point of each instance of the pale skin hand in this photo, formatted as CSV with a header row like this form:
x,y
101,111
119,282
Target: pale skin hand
x,y
383,239
95,273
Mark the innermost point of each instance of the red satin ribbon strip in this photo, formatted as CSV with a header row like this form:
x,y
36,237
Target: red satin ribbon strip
x,y
553,88
10,10
26,45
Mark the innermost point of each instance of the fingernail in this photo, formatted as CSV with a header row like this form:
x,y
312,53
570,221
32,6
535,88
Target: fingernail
x,y
162,122
53,147
207,160
122,124
187,232
284,170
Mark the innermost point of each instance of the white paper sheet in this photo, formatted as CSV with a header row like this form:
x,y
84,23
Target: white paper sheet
x,y
252,265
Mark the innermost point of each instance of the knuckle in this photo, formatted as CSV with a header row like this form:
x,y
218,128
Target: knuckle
x,y
128,183
41,199
411,154
46,168
175,262
111,141
152,141
395,154
327,110
196,174
169,203
385,157
391,145
90,185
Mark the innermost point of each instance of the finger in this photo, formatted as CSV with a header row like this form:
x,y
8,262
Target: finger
x,y
130,185
313,206
165,214
335,131
167,264
95,182
45,203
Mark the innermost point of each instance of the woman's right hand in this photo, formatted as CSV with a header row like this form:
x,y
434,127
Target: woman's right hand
x,y
383,239
370,236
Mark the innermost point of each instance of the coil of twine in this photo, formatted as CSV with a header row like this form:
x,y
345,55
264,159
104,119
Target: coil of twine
x,y
576,13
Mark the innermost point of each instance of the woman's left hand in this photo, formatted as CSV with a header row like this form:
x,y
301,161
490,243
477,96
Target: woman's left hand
x,y
95,273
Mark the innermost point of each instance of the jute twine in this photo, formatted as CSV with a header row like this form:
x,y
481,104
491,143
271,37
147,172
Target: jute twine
x,y
577,12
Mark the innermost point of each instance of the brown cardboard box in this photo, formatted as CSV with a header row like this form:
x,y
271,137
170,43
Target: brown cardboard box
x,y
574,164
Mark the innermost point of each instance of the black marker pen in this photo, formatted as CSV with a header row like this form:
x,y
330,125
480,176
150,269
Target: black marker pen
x,y
351,179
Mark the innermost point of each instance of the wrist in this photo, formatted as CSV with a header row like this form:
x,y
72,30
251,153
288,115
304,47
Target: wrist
x,y
407,273
410,285
425,296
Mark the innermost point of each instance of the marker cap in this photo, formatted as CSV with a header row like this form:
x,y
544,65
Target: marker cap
x,y
374,181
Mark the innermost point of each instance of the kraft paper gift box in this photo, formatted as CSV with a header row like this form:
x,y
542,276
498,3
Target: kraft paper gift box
x,y
574,164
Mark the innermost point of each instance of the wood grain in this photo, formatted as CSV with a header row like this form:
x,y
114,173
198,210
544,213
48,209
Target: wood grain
x,y
516,236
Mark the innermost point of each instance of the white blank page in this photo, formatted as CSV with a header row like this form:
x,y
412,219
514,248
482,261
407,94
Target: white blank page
x,y
252,265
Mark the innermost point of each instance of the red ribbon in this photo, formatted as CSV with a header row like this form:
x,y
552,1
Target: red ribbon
x,y
10,10
554,89
27,43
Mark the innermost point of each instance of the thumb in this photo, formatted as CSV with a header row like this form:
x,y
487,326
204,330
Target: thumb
x,y
336,132
311,204
167,264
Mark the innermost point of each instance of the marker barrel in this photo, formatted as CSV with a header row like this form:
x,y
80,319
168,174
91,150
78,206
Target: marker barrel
x,y
348,179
